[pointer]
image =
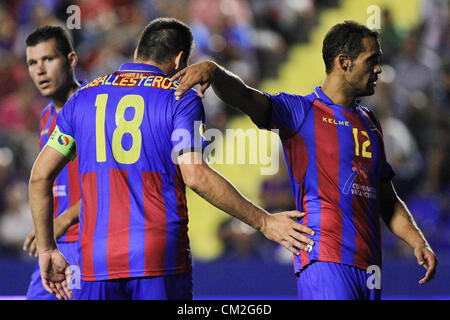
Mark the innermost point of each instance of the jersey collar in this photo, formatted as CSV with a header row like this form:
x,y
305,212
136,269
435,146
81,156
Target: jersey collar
x,y
325,99
139,67
322,96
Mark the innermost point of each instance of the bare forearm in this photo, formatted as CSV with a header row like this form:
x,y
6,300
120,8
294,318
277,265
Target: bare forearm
x,y
404,226
221,193
228,87
233,91
41,203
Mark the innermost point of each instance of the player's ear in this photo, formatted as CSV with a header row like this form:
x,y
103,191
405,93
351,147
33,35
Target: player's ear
x,y
343,61
180,61
72,58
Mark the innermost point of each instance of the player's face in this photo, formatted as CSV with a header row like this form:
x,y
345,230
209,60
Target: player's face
x,y
364,70
49,69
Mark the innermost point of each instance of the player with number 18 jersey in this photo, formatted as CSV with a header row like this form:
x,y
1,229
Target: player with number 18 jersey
x,y
133,218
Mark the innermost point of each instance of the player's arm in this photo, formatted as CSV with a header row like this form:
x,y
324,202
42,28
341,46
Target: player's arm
x,y
214,188
228,87
399,220
61,223
55,270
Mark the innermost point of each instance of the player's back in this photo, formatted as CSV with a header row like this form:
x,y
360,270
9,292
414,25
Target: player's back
x,y
134,213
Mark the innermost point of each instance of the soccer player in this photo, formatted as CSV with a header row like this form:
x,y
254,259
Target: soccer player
x,y
51,61
339,174
138,147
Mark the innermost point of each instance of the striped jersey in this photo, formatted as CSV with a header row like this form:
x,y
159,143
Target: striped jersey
x,y
128,130
336,163
66,189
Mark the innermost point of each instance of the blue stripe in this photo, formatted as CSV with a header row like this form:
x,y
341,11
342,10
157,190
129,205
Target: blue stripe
x,y
172,220
372,203
101,225
311,183
346,178
137,224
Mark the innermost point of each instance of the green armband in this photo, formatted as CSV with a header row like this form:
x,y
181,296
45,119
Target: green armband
x,y
63,143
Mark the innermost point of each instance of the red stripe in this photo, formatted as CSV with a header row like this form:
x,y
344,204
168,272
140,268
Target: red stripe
x,y
304,256
44,120
183,251
74,196
360,218
117,248
327,157
90,203
360,204
52,126
155,223
55,201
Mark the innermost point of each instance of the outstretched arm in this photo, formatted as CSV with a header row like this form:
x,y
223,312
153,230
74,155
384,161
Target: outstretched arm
x,y
228,87
55,270
399,220
214,188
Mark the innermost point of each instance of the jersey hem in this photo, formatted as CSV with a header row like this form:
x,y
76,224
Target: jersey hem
x,y
135,274
336,260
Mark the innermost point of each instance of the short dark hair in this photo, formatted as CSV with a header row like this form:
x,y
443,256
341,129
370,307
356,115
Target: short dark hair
x,y
162,39
344,38
45,33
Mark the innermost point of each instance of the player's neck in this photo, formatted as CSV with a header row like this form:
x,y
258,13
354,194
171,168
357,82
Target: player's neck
x,y
167,68
338,92
61,97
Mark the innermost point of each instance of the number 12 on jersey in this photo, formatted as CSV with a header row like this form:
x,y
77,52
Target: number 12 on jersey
x,y
122,126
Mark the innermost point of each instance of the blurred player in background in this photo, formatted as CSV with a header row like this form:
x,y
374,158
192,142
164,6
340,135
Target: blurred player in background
x,y
138,147
335,154
51,61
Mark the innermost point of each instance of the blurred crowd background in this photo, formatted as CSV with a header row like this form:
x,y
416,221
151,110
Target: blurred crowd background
x,y
252,38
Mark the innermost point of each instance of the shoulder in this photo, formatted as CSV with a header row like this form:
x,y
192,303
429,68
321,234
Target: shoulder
x,y
371,116
46,109
189,98
291,100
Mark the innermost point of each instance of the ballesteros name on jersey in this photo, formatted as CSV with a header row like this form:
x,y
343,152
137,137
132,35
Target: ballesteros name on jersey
x,y
131,79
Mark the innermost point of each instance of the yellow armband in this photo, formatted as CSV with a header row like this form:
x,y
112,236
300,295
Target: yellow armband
x,y
63,143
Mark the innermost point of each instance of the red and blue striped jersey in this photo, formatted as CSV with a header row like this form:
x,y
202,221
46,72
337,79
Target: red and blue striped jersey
x,y
336,164
128,127
66,189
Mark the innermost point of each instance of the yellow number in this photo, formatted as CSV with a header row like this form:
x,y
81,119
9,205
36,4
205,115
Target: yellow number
x,y
132,127
123,126
355,135
100,103
365,145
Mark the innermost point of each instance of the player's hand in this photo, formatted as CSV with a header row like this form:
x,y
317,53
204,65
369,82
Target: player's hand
x,y
284,229
426,258
200,73
55,273
29,244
